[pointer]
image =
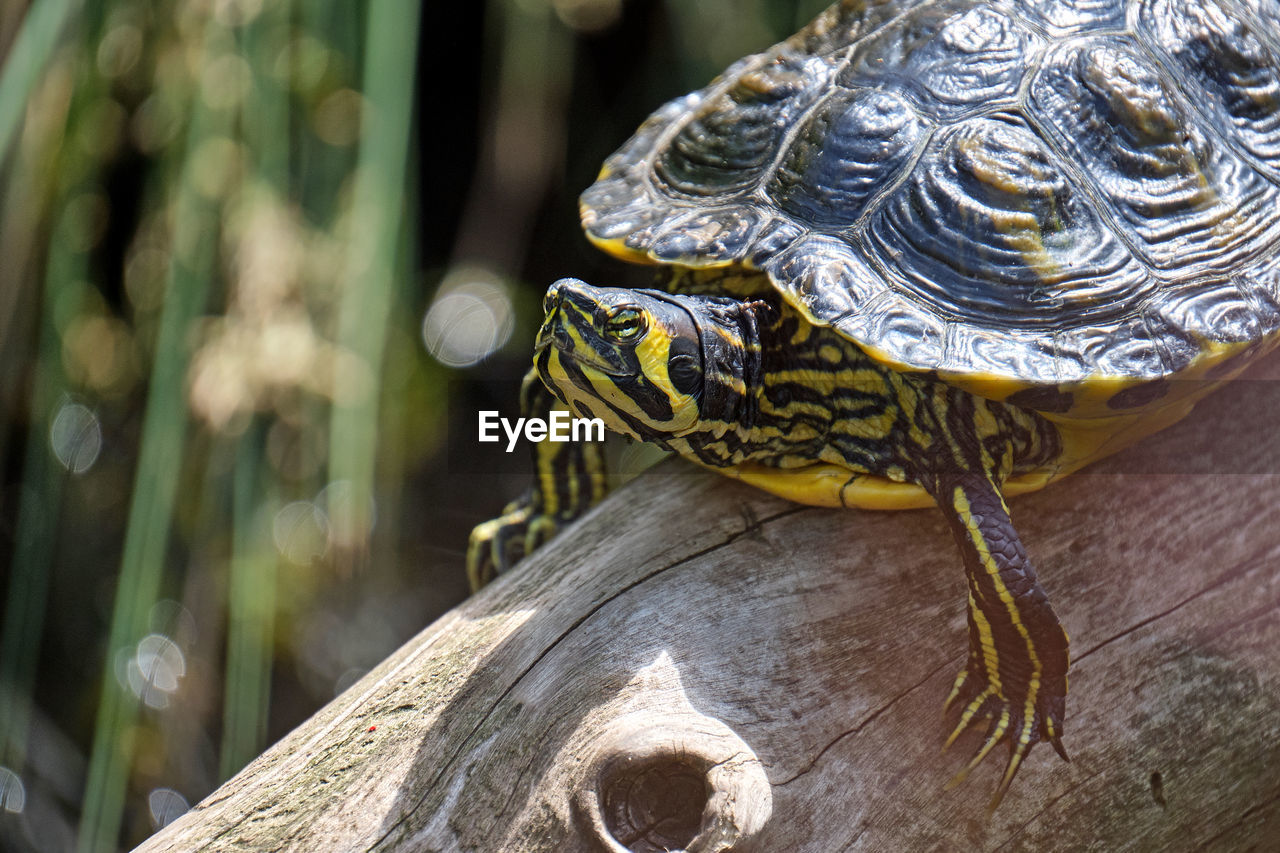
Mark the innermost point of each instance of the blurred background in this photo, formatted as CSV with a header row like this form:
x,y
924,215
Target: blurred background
x,y
259,261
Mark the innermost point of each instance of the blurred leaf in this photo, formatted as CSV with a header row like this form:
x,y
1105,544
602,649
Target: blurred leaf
x,y
377,207
27,58
160,460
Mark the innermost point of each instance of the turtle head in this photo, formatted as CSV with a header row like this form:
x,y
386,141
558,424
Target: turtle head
x,y
650,364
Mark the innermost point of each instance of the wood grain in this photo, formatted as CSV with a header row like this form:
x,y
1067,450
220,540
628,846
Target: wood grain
x,y
692,628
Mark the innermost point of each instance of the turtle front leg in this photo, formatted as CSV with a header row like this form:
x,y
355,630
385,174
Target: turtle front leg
x,y
569,478
1016,674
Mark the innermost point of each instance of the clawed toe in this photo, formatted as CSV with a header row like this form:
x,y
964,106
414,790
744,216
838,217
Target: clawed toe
x,y
1021,724
497,545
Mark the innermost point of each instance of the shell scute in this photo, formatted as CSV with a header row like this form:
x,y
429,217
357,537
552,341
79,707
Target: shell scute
x,y
953,56
821,275
707,237
1221,311
1224,53
988,228
844,23
1014,353
615,207
1188,204
851,147
900,324
905,327
1065,17
1177,346
1126,347
773,239
725,147
1264,10
646,137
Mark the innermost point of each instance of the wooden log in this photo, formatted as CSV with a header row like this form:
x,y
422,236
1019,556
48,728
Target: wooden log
x,y
697,663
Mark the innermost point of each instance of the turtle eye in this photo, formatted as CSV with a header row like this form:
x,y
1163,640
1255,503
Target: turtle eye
x,y
625,324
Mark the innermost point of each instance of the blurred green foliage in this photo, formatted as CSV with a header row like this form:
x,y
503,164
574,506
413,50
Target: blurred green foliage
x,y
259,259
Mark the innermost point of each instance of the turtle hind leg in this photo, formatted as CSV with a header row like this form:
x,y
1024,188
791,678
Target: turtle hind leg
x,y
1016,673
569,478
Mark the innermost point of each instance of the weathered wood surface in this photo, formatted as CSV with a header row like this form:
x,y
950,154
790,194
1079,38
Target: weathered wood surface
x,y
798,658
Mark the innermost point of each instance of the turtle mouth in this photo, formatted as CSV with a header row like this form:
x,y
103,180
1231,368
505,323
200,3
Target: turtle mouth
x,y
581,357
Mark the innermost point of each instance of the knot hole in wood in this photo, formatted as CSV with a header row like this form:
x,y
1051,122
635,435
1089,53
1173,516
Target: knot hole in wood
x,y
655,804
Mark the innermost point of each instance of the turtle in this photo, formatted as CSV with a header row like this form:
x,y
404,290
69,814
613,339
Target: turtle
x,y
930,253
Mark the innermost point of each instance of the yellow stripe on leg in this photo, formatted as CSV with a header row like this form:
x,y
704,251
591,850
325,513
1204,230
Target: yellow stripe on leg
x,y
547,453
961,678
962,506
967,716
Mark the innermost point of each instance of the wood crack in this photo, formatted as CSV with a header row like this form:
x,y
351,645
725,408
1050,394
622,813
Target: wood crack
x,y
1224,579
866,721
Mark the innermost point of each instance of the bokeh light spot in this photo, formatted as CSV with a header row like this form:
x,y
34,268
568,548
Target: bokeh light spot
x,y
218,163
337,118
588,16
97,352
220,388
170,619
349,525
301,532
119,50
236,13
166,806
287,349
155,123
76,437
225,82
470,319
153,670
144,276
302,64
13,794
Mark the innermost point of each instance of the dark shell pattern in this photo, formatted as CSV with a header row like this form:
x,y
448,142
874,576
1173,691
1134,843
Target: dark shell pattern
x,y
1047,191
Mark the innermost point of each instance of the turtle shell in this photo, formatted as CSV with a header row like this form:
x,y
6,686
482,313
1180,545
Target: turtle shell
x,y
1036,200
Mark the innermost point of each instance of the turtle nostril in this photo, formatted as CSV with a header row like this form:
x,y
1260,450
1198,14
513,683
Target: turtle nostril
x,y
552,299
555,293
